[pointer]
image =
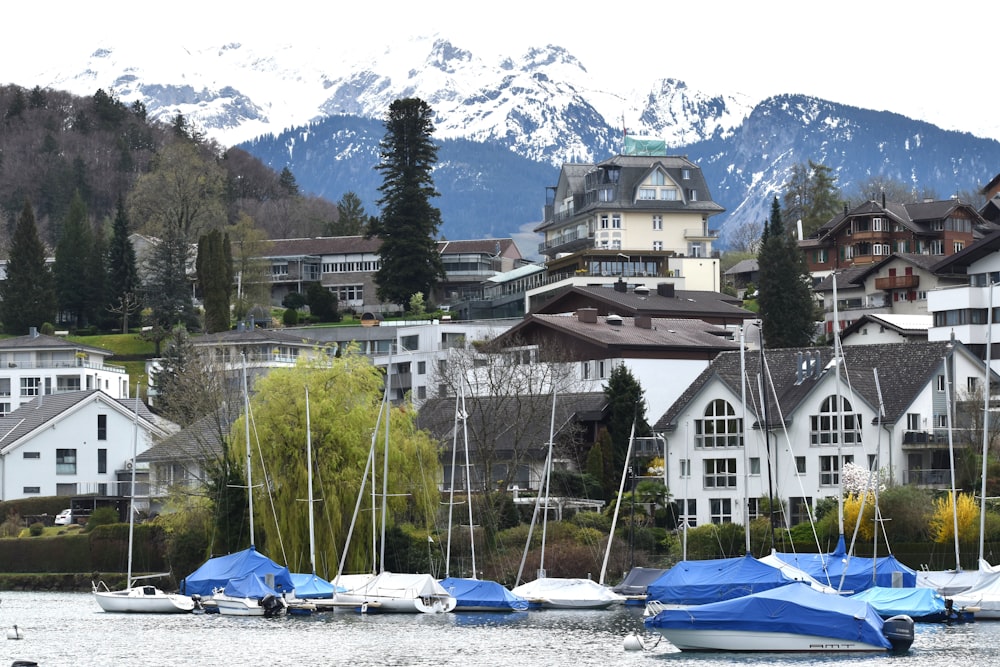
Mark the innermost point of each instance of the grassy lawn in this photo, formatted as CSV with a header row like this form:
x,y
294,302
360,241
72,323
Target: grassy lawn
x,y
128,345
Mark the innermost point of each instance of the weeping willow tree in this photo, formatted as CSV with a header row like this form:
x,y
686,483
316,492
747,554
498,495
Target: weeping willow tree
x,y
345,399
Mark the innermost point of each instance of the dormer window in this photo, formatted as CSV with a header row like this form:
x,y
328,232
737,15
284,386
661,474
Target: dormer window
x,y
613,174
686,174
657,178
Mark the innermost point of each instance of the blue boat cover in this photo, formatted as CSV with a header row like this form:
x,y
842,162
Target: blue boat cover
x,y
313,587
216,572
248,586
856,572
796,608
916,602
476,593
704,581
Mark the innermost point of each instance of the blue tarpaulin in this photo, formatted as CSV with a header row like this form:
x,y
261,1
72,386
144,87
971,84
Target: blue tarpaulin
x,y
216,572
704,581
482,595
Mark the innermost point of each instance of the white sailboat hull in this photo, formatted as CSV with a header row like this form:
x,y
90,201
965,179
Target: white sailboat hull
x,y
558,593
770,642
399,593
143,600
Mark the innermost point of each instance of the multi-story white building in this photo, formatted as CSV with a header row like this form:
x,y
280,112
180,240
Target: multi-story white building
x,y
38,365
723,457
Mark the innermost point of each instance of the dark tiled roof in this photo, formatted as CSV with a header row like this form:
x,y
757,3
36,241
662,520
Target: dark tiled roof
x,y
201,441
909,367
43,342
338,245
41,410
960,261
663,334
684,304
510,422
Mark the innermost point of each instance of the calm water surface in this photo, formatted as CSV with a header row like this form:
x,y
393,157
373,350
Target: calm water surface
x,y
69,629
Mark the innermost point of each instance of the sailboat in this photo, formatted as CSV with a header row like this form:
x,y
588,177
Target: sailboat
x,y
389,591
472,594
143,599
246,583
558,592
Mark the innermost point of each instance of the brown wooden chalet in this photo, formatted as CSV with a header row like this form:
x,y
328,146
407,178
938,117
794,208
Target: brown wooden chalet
x,y
875,230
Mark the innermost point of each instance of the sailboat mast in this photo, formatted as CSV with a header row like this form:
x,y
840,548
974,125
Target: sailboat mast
x,y
743,433
385,460
451,490
468,480
246,424
951,455
309,486
131,495
618,505
838,357
986,426
548,478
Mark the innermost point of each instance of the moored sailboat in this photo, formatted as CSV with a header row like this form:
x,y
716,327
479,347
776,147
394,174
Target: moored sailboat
x,y
145,599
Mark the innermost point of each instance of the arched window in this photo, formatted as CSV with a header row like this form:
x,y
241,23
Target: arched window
x,y
825,427
720,426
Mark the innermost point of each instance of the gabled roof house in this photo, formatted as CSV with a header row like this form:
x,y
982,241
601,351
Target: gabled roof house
x,y
722,455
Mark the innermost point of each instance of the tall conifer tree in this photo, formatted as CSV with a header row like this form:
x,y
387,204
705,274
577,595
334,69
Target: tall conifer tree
x,y
408,223
28,296
73,265
215,275
786,302
124,288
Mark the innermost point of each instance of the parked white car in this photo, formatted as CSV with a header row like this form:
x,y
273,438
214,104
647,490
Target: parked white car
x,y
64,518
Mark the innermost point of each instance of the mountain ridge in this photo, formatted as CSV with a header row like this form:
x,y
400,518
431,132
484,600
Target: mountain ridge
x,y
536,111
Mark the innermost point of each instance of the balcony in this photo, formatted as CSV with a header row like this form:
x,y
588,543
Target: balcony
x,y
571,241
699,234
897,282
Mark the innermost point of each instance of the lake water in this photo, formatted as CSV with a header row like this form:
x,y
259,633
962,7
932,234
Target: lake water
x,y
70,630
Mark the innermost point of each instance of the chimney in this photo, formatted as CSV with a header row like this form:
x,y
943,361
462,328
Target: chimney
x,y
620,286
643,321
33,332
665,289
614,320
587,315
883,199
798,366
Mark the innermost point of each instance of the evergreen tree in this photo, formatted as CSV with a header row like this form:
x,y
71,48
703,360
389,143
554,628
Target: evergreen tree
x,y
27,296
811,195
171,389
322,303
124,288
784,295
97,289
73,265
351,217
215,276
168,292
408,223
626,405
287,182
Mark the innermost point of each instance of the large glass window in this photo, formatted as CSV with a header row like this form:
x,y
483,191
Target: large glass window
x,y
799,509
30,386
720,427
65,461
829,471
721,510
720,473
825,428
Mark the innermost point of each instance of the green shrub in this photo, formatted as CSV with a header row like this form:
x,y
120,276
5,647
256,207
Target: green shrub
x,y
36,528
290,317
102,516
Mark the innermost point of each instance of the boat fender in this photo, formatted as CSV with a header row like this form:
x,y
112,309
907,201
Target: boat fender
x,y
633,642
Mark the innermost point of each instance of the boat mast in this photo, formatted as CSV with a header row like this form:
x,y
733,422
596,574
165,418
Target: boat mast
x,y
312,522
951,454
838,358
986,423
131,495
618,505
468,482
548,478
451,490
246,423
385,459
743,433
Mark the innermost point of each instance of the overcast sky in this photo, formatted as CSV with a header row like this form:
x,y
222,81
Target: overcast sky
x,y
924,61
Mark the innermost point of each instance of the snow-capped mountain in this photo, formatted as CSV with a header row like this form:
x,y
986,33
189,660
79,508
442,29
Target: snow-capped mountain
x,y
507,123
543,103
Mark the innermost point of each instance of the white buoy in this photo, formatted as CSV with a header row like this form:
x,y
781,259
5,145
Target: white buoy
x,y
15,633
633,642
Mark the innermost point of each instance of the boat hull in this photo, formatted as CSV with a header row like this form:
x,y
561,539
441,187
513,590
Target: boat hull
x,y
235,606
144,600
745,641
